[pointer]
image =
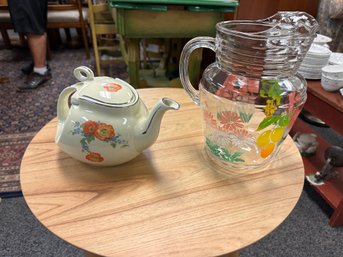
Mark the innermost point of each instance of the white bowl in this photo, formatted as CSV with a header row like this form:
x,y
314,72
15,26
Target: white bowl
x,y
333,71
336,59
331,84
322,39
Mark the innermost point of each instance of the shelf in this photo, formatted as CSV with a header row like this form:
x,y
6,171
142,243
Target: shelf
x,y
332,190
328,106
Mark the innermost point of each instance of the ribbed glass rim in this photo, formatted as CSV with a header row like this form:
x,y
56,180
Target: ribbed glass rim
x,y
226,27
289,21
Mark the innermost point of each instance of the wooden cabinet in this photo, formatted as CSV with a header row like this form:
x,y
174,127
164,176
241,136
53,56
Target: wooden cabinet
x,y
257,9
327,106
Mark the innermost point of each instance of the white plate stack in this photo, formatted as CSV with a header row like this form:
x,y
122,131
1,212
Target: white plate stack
x,y
315,59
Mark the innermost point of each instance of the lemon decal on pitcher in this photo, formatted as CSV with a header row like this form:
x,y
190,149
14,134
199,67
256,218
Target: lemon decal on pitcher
x,y
269,138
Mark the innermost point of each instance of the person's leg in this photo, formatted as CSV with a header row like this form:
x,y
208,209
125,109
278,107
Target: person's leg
x,y
37,45
41,72
30,18
38,48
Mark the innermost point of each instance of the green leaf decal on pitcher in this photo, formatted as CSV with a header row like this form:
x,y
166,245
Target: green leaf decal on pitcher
x,y
245,117
267,122
283,120
223,153
271,88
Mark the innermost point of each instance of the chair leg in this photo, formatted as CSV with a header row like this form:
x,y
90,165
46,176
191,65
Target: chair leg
x,y
96,53
68,35
85,39
6,38
133,61
123,49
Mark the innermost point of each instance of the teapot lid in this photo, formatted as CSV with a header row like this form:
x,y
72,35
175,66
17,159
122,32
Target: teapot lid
x,y
105,91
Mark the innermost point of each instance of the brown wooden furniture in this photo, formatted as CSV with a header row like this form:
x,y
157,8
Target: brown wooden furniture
x,y
327,106
66,15
5,22
169,201
259,9
69,15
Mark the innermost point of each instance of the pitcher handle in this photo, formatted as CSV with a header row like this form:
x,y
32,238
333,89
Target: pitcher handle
x,y
198,42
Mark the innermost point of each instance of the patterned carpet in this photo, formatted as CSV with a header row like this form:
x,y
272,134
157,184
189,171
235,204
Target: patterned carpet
x,y
23,113
12,148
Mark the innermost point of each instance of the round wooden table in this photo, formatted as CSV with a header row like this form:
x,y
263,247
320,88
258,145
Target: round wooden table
x,y
168,201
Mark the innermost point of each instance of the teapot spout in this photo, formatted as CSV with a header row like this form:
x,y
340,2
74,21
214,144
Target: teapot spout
x,y
147,132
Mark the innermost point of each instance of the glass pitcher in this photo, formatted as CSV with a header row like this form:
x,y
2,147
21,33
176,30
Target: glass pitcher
x,y
252,94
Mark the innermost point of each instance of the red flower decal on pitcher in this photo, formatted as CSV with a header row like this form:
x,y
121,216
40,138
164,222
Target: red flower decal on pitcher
x,y
209,118
112,87
229,120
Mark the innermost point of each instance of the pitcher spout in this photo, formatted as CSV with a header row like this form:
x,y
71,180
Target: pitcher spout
x,y
147,131
294,23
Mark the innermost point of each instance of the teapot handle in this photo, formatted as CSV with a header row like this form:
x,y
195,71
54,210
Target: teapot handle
x,y
62,103
198,42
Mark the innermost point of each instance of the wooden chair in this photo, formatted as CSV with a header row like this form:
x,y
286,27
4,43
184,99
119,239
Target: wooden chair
x,y
61,14
69,14
106,42
5,23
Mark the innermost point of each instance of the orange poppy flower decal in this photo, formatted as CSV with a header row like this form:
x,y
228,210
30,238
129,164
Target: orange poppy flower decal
x,y
94,157
112,87
92,130
89,127
104,132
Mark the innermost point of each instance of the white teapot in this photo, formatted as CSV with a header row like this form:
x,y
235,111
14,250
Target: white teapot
x,y
106,123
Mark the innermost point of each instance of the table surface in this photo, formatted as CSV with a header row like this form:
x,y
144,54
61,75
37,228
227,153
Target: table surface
x,y
168,201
